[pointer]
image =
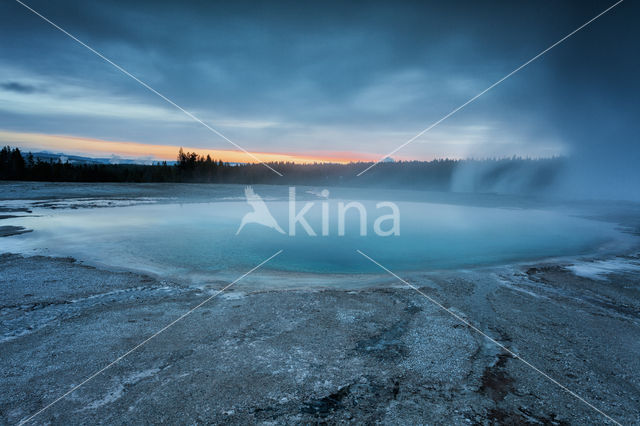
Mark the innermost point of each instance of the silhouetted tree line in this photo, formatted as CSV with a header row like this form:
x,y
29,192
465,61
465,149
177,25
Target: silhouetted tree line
x,y
438,175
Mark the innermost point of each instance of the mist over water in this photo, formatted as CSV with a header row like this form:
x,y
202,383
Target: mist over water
x,y
508,176
582,176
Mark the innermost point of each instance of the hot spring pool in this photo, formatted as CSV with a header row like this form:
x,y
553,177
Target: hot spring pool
x,y
200,238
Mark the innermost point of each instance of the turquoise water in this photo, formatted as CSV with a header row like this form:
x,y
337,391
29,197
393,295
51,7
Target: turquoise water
x,y
201,238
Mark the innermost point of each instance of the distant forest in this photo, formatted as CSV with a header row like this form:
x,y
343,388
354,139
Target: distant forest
x,y
505,174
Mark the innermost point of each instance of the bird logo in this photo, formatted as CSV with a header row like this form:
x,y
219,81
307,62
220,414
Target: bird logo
x,y
260,214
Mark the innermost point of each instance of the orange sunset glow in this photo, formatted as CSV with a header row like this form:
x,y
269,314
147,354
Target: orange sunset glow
x,y
91,147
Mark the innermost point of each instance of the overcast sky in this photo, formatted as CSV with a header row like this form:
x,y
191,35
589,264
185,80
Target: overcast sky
x,y
325,80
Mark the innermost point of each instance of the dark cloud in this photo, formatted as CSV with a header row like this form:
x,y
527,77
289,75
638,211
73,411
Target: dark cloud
x,y
14,86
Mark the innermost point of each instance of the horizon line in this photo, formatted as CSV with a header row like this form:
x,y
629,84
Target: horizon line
x,y
95,148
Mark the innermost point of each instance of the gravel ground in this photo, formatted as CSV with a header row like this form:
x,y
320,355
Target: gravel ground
x,y
382,354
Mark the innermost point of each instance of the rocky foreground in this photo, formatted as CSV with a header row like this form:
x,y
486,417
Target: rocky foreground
x,y
384,354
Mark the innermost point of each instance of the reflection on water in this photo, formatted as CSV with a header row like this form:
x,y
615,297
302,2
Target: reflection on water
x,y
200,238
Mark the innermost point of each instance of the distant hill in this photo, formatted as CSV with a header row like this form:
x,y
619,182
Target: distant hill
x,y
76,159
